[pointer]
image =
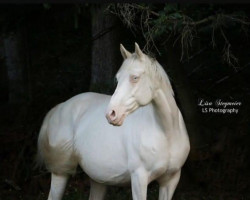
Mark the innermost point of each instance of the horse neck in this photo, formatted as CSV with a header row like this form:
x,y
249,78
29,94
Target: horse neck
x,y
167,109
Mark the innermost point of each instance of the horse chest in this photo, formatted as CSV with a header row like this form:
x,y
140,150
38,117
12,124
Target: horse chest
x,y
149,150
157,153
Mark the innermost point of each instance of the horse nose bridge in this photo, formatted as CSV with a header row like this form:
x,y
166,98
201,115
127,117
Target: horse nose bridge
x,y
115,100
116,103
112,108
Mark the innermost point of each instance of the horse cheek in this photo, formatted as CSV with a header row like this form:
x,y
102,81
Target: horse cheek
x,y
145,98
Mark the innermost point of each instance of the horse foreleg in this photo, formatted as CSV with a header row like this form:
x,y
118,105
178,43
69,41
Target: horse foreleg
x,y
168,185
58,183
139,182
97,191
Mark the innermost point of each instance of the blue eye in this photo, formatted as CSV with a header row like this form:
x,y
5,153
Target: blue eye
x,y
134,78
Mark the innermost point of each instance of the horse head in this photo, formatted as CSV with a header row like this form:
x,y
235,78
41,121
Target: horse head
x,y
137,82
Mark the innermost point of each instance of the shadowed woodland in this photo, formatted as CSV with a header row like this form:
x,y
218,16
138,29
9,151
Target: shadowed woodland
x,y
49,53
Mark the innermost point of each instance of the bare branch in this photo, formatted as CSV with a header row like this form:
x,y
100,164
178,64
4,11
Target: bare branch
x,y
203,21
228,55
184,26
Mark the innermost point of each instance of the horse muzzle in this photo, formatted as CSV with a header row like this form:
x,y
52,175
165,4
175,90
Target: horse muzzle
x,y
114,118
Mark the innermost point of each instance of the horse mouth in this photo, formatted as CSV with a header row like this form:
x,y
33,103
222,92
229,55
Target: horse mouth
x,y
118,121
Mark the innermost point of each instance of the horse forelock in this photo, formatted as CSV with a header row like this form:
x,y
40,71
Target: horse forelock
x,y
153,68
156,71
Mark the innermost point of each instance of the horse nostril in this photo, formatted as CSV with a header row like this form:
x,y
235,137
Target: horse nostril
x,y
112,115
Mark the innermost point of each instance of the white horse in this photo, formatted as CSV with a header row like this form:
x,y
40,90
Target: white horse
x,y
151,144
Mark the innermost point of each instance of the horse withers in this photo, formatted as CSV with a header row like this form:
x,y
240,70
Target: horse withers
x,y
143,137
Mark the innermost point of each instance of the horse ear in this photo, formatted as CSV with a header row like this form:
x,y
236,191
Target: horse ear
x,y
138,51
124,52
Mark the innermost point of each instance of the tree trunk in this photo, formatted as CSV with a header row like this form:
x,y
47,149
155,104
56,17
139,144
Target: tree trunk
x,y
15,63
106,58
3,75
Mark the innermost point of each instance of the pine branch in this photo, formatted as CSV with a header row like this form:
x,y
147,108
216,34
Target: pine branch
x,y
202,21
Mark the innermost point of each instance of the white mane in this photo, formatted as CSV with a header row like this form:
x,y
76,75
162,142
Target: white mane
x,y
156,71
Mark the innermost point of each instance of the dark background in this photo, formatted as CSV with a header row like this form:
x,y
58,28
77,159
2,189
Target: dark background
x,y
49,53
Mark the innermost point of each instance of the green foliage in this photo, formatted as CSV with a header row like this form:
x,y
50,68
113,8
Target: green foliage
x,y
169,8
169,19
46,6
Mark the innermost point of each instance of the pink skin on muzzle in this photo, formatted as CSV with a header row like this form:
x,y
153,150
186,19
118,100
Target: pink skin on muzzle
x,y
114,118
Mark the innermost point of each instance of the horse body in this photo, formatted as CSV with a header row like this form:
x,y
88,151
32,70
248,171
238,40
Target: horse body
x,y
96,145
118,151
151,144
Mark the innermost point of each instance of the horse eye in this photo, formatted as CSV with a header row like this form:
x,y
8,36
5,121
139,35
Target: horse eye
x,y
134,78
